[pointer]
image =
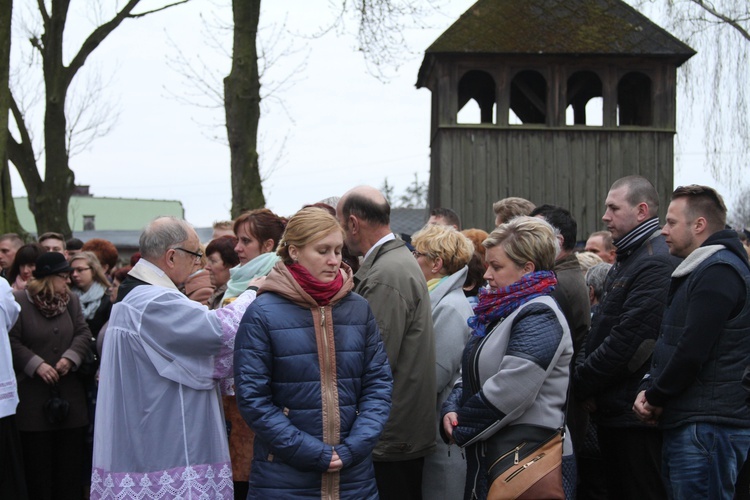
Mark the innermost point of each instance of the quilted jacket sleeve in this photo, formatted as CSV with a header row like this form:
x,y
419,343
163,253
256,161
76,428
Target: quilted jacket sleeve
x,y
630,342
533,350
374,403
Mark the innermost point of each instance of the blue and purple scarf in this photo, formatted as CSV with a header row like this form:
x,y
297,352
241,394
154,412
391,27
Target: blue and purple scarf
x,y
496,304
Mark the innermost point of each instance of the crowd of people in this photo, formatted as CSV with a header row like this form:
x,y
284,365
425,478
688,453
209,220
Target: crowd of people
x,y
322,356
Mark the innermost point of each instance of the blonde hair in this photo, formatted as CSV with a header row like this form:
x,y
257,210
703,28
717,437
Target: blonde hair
x,y
507,208
96,268
306,226
526,239
41,286
587,260
444,242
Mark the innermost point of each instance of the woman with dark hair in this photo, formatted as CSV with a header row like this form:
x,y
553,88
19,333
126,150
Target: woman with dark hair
x,y
220,258
49,342
23,265
312,377
258,233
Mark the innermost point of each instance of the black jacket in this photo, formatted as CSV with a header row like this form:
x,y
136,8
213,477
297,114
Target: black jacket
x,y
703,347
624,331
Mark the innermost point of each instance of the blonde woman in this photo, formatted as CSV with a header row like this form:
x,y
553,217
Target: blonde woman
x,y
516,364
49,342
443,255
311,375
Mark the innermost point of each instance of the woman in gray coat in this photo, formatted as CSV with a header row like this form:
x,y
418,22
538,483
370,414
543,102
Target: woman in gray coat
x,y
443,254
48,342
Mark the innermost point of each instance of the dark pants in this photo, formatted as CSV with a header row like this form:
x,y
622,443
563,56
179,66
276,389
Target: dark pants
x,y
12,482
400,480
632,462
54,463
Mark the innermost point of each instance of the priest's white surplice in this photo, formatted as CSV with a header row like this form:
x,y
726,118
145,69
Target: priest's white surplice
x,y
160,431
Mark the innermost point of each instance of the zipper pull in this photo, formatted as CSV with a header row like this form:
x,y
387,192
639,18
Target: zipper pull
x,y
515,458
322,316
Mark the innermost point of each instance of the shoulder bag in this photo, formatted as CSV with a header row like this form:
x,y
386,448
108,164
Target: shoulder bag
x,y
525,462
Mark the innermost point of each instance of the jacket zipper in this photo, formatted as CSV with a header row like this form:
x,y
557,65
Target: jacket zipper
x,y
328,390
474,386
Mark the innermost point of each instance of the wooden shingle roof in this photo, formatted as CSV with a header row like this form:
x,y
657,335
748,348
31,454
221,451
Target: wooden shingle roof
x,y
590,27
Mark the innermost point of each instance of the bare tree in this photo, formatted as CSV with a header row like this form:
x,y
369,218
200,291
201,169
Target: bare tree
x,y
8,218
49,197
380,25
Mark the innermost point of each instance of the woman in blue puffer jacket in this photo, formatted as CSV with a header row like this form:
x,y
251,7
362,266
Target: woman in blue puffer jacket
x,y
311,376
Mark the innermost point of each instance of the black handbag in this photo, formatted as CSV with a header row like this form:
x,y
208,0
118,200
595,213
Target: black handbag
x,y
525,461
56,409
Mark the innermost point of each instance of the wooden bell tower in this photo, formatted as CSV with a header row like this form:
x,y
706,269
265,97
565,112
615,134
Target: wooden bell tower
x,y
569,95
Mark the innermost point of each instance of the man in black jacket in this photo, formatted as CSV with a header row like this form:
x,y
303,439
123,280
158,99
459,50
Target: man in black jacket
x,y
694,389
621,340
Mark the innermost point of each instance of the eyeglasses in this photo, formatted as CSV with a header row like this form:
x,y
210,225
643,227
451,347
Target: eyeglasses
x,y
64,276
79,270
197,255
418,254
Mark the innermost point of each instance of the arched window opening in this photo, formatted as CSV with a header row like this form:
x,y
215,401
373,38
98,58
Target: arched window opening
x,y
634,100
585,105
479,87
528,97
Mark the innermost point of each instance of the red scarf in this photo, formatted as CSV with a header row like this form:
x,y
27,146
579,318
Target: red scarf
x,y
321,292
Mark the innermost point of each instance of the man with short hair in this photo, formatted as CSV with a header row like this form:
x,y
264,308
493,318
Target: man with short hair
x,y
445,217
693,390
601,244
53,242
393,284
572,294
159,429
74,246
9,245
623,332
222,228
507,208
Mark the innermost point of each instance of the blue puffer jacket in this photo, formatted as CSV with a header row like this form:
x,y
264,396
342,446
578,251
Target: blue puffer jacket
x,y
309,380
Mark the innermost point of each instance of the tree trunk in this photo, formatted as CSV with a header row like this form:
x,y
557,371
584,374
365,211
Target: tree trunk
x,y
8,218
242,109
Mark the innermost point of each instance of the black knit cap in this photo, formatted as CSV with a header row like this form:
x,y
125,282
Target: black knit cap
x,y
50,263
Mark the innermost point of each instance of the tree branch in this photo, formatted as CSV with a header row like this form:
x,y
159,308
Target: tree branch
x,y
141,14
722,17
44,13
103,31
22,154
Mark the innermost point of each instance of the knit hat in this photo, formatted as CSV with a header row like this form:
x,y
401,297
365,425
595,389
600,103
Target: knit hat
x,y
50,263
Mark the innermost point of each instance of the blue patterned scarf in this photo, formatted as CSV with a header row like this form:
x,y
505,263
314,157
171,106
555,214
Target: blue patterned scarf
x,y
496,304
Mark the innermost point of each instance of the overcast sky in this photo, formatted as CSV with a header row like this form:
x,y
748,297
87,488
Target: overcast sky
x,y
338,126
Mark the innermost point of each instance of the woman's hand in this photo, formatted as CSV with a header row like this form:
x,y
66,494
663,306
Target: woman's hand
x,y
63,366
450,420
336,463
48,374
